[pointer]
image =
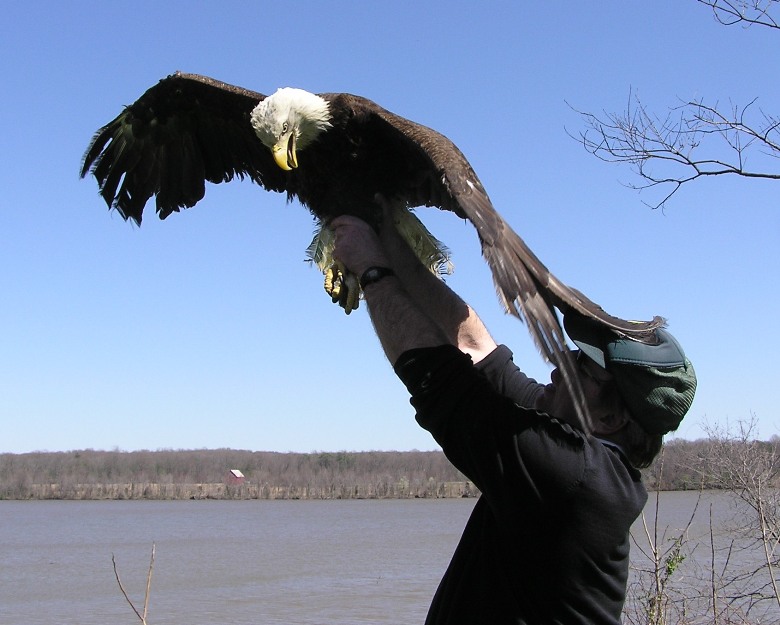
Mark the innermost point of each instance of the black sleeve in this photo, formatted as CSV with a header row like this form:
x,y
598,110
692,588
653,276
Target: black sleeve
x,y
512,454
507,378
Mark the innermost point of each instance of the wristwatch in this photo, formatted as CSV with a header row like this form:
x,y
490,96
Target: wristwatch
x,y
374,274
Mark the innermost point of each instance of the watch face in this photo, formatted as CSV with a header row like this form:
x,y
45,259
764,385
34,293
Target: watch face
x,y
374,274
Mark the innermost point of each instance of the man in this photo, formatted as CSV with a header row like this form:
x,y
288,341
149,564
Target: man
x,y
548,540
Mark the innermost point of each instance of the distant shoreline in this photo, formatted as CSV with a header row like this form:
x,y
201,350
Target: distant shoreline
x,y
224,491
242,474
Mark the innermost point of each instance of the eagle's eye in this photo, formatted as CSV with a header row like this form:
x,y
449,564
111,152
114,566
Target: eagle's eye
x,y
285,126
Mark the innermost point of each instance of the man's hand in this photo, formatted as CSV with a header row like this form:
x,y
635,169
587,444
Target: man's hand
x,y
357,245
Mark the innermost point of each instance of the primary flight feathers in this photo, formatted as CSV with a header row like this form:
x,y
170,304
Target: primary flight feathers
x,y
334,152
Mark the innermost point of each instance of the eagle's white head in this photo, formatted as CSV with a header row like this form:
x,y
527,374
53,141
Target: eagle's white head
x,y
288,121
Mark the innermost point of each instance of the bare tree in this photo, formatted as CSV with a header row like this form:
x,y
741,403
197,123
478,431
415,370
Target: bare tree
x,y
693,139
745,12
655,597
749,470
681,576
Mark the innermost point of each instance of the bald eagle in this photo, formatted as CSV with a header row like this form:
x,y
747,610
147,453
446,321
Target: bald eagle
x,y
334,152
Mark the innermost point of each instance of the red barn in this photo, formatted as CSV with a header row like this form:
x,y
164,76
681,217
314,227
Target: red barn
x,y
235,477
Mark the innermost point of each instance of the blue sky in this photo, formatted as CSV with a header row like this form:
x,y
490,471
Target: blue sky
x,y
208,330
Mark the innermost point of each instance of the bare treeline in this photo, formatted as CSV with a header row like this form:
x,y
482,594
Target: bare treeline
x,y
77,474
684,465
696,465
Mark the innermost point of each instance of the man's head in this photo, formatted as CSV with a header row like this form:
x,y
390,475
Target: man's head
x,y
655,379
606,408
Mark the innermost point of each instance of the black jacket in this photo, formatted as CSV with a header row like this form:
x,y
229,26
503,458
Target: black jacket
x,y
548,541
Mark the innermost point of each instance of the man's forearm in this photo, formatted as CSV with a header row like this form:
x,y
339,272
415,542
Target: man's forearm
x,y
430,293
399,323
425,315
457,320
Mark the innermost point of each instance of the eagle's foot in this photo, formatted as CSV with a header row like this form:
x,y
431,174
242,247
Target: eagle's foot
x,y
342,286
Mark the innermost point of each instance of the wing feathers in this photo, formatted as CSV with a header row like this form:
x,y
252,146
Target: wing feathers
x,y
517,272
560,295
530,292
181,132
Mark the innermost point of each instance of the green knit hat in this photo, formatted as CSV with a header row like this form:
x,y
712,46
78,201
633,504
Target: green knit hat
x,y
656,380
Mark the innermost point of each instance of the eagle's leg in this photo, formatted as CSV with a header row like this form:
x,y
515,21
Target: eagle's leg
x,y
342,286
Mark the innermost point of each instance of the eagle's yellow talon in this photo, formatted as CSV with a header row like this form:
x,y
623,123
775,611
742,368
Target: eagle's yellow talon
x,y
343,296
330,273
335,291
353,292
342,287
337,294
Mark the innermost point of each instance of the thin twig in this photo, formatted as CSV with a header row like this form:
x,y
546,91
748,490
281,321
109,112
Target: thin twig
x,y
142,617
122,588
148,585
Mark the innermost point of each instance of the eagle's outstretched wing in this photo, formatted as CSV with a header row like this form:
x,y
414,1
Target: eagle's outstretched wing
x,y
182,132
525,286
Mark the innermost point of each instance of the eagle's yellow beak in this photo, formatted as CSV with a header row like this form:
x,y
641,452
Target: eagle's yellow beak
x,y
285,155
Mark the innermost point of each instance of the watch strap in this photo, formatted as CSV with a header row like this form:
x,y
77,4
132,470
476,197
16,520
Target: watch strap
x,y
374,274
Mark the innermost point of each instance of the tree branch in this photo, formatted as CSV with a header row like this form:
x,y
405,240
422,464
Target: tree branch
x,y
693,140
746,12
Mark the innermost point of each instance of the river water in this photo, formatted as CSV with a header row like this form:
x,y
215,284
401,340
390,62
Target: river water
x,y
312,562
